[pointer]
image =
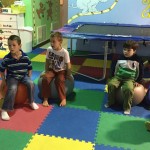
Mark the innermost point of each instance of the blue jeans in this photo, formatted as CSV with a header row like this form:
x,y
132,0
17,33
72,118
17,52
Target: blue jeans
x,y
12,85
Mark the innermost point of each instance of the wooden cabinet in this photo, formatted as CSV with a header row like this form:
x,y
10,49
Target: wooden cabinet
x,y
9,24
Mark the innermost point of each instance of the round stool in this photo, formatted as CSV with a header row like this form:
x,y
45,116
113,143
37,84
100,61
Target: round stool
x,y
138,96
21,95
69,86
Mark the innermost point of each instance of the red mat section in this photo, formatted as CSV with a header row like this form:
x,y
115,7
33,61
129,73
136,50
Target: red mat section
x,y
93,71
77,60
25,119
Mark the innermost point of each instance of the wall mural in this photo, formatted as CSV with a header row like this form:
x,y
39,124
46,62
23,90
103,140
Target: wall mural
x,y
40,10
88,8
42,13
49,10
146,11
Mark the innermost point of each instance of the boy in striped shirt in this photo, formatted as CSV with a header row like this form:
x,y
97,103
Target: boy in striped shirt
x,y
15,67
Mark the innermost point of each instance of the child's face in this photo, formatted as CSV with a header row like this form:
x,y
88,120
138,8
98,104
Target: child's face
x,y
128,52
13,46
55,43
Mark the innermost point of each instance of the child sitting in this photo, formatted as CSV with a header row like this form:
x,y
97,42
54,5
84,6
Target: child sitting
x,y
57,66
127,71
15,67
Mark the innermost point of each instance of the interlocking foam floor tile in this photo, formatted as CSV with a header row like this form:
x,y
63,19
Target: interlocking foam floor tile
x,y
38,51
35,75
41,142
25,119
3,53
77,60
122,131
92,71
89,86
11,140
103,147
39,58
36,95
38,66
70,123
75,68
78,77
96,63
44,52
138,111
31,55
83,99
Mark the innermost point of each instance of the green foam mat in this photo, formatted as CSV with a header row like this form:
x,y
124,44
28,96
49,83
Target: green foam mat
x,y
11,140
38,66
31,55
86,99
123,131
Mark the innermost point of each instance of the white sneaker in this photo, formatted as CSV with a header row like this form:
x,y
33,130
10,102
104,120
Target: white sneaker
x,y
106,105
127,112
4,115
34,106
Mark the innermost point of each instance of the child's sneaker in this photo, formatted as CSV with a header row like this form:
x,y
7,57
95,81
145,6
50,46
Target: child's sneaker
x,y
107,105
127,112
4,115
147,125
34,106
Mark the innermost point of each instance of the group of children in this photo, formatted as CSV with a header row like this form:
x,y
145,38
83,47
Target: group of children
x,y
16,68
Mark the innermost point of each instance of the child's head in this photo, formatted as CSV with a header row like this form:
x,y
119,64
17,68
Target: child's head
x,y
14,43
56,40
129,48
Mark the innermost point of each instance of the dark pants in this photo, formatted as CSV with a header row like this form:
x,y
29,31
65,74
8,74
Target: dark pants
x,y
127,91
59,82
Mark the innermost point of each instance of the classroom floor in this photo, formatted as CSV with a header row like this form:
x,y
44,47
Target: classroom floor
x,y
84,124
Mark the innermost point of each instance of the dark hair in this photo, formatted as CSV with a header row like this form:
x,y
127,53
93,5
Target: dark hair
x,y
131,44
16,38
57,35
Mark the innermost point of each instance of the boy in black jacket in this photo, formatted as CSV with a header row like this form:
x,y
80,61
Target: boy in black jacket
x,y
127,72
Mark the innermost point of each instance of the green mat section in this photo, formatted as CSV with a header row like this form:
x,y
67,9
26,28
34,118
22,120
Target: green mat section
x,y
38,66
11,140
122,131
31,55
86,99
36,80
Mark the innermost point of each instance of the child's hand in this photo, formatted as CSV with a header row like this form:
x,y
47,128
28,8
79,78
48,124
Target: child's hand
x,y
68,74
42,75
